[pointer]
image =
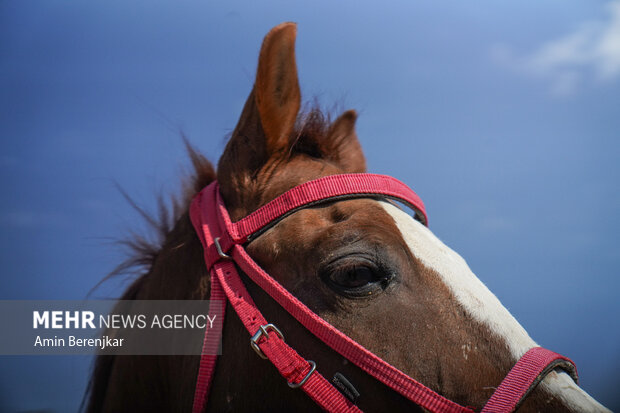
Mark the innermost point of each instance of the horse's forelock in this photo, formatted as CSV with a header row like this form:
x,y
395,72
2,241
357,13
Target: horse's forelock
x,y
310,131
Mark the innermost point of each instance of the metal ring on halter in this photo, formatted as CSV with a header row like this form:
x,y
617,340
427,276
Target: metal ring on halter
x,y
305,379
218,247
263,330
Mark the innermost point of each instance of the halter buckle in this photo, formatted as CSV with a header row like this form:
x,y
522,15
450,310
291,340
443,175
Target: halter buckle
x,y
263,330
220,252
305,379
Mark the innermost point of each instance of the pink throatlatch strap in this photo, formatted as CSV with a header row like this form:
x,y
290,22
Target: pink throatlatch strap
x,y
211,221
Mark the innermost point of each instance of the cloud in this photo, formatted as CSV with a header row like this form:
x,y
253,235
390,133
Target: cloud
x,y
590,52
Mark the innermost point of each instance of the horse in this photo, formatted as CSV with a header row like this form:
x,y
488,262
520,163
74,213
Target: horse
x,y
362,264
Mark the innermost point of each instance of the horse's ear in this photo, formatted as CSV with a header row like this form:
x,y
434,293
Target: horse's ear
x,y
342,144
269,114
277,88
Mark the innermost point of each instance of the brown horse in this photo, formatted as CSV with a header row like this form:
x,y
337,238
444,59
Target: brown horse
x,y
363,265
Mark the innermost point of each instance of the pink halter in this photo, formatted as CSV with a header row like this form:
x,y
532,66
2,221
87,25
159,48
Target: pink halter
x,y
223,245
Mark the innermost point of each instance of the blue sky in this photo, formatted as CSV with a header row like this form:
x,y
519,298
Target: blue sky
x,y
503,117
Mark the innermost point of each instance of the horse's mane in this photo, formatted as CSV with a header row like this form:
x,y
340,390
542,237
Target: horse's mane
x,y
141,250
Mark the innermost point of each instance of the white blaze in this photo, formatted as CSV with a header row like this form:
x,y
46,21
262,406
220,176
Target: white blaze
x,y
481,303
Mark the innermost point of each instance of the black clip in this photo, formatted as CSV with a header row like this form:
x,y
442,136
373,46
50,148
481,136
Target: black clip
x,y
345,387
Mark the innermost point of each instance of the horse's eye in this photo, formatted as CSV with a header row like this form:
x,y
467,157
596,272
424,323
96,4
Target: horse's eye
x,y
355,278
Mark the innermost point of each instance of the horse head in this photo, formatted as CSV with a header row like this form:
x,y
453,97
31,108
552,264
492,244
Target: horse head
x,y
364,265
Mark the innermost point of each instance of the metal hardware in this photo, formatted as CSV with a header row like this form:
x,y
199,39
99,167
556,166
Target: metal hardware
x,y
305,379
218,247
263,330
